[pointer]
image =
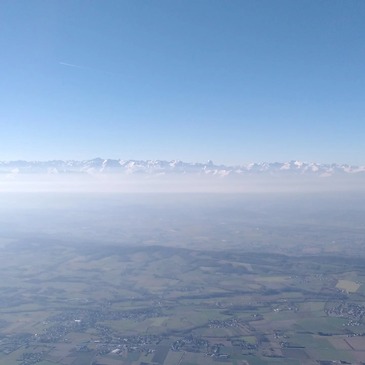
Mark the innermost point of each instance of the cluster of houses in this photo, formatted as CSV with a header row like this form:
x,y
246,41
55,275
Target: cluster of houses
x,y
232,322
353,312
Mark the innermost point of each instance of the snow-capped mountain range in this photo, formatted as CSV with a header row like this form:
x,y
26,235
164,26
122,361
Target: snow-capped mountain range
x,y
153,167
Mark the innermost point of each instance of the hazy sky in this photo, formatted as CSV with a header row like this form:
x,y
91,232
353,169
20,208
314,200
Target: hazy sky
x,y
232,81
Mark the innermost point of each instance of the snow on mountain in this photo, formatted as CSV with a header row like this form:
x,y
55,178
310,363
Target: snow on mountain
x,y
151,167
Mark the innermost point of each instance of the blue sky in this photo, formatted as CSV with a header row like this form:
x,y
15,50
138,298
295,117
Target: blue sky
x,y
232,81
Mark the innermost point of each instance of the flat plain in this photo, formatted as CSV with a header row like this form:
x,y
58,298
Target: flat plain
x,y
184,280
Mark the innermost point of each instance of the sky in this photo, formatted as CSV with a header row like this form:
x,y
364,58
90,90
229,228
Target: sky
x,y
231,81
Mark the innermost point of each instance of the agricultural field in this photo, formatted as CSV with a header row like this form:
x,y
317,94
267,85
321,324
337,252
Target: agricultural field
x,y
163,295
348,285
159,305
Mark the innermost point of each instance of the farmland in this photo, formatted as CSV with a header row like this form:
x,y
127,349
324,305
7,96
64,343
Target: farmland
x,y
158,305
105,302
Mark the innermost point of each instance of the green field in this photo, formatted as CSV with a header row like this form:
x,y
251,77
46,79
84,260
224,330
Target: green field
x,y
204,285
156,305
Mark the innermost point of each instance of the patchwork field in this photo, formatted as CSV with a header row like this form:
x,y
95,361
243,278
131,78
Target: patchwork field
x,y
182,280
159,305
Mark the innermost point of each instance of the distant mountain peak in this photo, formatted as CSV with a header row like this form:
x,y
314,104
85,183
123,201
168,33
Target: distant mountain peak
x,y
101,166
